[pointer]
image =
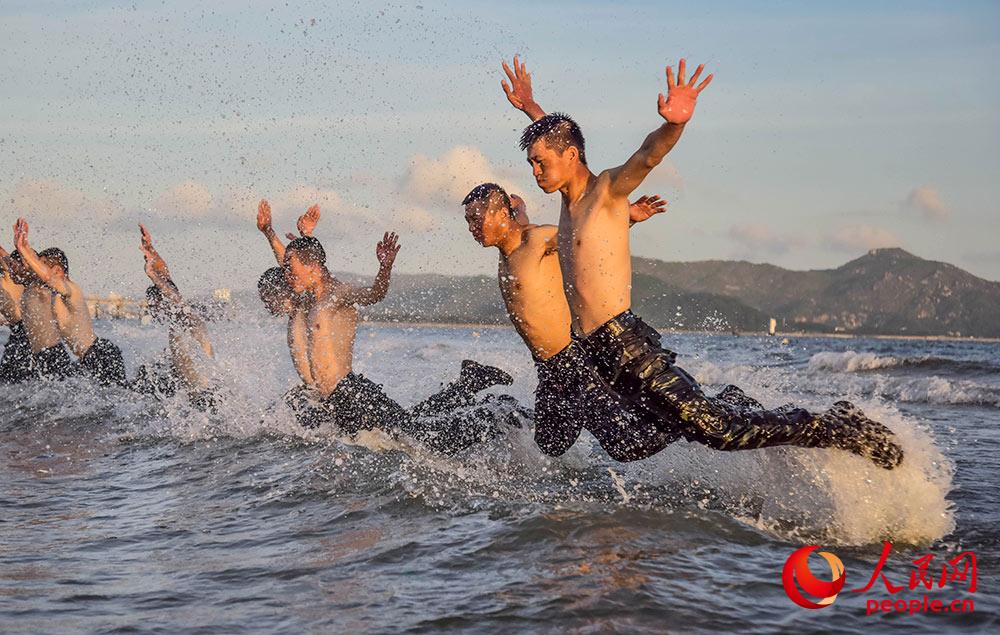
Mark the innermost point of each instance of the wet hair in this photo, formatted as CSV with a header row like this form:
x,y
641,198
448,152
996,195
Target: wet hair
x,y
54,255
308,249
273,284
487,191
153,294
559,133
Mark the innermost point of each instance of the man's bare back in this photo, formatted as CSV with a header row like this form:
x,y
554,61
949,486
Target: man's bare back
x,y
73,318
39,318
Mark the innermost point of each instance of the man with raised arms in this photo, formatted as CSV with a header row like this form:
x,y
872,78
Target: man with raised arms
x,y
322,327
54,310
16,364
188,345
570,396
277,294
595,260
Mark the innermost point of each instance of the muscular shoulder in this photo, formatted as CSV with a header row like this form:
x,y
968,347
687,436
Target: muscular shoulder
x,y
540,238
540,232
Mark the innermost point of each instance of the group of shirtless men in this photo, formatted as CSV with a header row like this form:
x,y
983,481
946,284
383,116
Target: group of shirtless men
x,y
566,288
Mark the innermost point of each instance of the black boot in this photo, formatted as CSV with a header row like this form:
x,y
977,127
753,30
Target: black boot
x,y
734,396
473,378
851,430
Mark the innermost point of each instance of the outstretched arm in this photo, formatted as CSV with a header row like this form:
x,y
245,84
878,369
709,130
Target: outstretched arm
x,y
676,109
156,268
386,251
41,270
182,316
519,92
264,225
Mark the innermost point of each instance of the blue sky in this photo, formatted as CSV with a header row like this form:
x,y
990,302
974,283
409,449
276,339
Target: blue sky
x,y
828,130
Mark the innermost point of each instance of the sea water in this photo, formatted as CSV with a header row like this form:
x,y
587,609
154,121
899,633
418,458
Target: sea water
x,y
121,513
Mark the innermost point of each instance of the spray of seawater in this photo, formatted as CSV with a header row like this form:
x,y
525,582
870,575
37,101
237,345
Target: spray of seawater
x,y
793,494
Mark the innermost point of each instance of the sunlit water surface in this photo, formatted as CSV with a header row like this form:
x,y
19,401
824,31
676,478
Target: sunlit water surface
x,y
120,513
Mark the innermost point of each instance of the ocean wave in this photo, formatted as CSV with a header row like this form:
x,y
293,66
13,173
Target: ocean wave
x,y
938,390
853,362
791,493
774,385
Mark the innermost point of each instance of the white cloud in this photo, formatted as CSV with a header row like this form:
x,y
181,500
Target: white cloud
x,y
302,197
416,219
854,238
444,182
927,202
666,175
188,199
48,197
758,237
433,188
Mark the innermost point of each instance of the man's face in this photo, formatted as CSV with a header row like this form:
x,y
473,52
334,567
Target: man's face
x,y
548,166
297,273
488,222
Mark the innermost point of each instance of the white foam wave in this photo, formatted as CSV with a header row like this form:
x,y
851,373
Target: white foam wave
x,y
850,361
793,493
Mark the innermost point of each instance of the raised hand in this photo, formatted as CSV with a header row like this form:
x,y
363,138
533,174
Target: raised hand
x,y
519,92
387,249
155,265
21,234
264,216
678,106
307,222
645,208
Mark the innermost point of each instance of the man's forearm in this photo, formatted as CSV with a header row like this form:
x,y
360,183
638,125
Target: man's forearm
x,y
166,286
533,110
39,268
381,285
659,142
276,245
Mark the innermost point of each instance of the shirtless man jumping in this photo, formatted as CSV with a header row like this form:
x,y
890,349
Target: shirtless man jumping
x,y
570,396
322,327
188,344
54,310
595,261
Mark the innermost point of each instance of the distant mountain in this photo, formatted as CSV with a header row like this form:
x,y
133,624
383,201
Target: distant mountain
x,y
886,291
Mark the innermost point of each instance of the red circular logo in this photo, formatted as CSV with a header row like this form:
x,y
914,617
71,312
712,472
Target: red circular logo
x,y
796,575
